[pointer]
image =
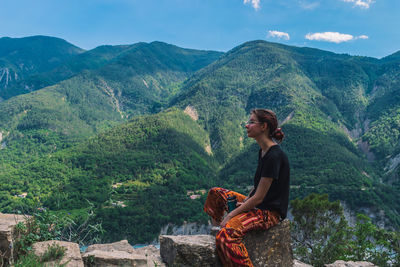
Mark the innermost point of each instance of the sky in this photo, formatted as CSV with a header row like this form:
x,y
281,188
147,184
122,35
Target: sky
x,y
356,27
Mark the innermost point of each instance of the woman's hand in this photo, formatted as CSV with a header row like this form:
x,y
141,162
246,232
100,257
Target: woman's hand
x,y
225,220
228,216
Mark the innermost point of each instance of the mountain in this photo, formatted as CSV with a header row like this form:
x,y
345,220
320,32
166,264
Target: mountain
x,y
395,57
21,58
89,60
324,100
112,131
31,63
136,175
382,117
112,84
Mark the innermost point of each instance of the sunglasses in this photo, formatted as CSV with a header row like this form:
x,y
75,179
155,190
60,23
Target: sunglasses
x,y
251,122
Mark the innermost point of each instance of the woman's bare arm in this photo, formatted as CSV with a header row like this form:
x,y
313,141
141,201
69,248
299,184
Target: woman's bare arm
x,y
252,202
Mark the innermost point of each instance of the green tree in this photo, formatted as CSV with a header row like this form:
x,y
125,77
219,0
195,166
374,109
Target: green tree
x,y
319,230
373,244
46,225
321,235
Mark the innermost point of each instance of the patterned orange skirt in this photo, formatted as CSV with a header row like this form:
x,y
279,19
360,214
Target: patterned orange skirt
x,y
230,247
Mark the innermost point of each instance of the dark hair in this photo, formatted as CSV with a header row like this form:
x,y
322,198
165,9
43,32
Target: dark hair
x,y
269,117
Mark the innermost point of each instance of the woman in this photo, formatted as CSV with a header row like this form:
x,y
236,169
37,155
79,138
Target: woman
x,y
266,204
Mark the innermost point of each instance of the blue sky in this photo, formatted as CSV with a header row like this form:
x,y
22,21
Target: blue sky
x,y
356,27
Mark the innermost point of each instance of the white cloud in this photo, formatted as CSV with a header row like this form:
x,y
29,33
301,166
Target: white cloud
x,y
308,5
277,34
333,37
362,37
360,3
254,3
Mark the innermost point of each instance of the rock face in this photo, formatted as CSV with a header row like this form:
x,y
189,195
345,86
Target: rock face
x,y
272,247
153,256
266,248
7,230
72,256
351,264
189,250
122,245
297,263
114,254
185,229
98,258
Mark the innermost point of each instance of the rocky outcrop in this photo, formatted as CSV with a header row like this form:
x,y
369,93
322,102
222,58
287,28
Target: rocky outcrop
x,y
152,254
122,245
393,163
266,248
72,256
189,250
297,263
192,112
6,76
364,146
185,229
272,247
118,254
7,235
351,264
99,258
338,263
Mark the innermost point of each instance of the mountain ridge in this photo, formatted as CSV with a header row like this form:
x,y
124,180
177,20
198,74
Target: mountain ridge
x,y
331,105
321,111
21,57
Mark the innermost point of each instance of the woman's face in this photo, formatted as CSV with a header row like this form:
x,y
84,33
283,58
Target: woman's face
x,y
254,127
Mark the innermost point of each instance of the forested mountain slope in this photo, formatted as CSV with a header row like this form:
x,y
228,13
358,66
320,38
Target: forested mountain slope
x,y
89,60
22,58
71,142
136,175
324,100
123,82
382,121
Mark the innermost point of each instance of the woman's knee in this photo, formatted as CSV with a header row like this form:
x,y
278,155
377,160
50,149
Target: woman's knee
x,y
214,190
215,193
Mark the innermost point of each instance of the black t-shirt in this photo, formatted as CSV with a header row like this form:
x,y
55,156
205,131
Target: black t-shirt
x,y
275,165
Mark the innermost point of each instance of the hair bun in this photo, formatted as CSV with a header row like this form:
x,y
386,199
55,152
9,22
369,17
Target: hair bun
x,y
278,135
